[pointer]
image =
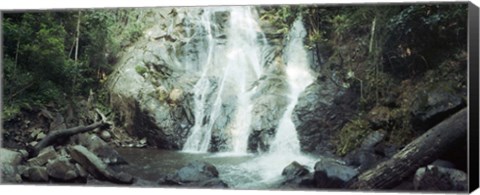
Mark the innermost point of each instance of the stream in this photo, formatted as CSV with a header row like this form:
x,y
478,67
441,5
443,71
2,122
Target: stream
x,y
238,171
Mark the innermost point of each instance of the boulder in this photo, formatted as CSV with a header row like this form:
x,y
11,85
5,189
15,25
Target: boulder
x,y
61,169
106,135
436,178
373,139
197,171
294,170
43,156
330,173
35,174
322,110
10,174
100,148
362,159
431,107
9,157
95,166
198,174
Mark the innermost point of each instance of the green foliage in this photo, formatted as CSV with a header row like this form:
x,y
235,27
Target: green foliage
x,y
141,69
351,135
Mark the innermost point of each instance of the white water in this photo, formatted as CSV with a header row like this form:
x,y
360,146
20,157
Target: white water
x,y
285,147
228,72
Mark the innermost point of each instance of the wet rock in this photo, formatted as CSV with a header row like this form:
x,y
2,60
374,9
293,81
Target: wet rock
x,y
199,174
197,171
213,183
9,157
332,174
35,174
61,169
430,108
294,170
96,166
44,155
435,178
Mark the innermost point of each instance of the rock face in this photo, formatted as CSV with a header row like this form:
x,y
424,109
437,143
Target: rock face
x,y
152,88
433,106
322,110
199,174
436,178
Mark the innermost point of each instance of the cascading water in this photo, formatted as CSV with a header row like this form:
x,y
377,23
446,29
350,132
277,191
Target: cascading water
x,y
230,66
265,169
229,71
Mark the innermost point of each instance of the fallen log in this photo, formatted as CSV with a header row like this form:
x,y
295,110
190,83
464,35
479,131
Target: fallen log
x,y
54,135
420,152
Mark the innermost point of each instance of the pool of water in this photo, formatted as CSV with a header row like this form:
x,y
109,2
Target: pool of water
x,y
239,171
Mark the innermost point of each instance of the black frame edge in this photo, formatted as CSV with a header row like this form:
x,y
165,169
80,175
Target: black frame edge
x,y
473,59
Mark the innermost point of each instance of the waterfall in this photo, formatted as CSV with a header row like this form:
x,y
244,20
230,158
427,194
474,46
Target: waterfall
x,y
232,64
298,78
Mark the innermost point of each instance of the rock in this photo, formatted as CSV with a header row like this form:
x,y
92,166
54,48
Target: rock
x,y
42,158
96,166
10,174
24,153
81,171
100,148
322,110
294,170
331,174
33,143
196,171
431,107
40,136
362,159
213,183
106,135
380,117
61,169
176,95
372,139
443,163
9,157
435,178
35,174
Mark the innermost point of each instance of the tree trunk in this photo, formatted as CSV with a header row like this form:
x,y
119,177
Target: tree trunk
x,y
420,152
54,135
78,36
